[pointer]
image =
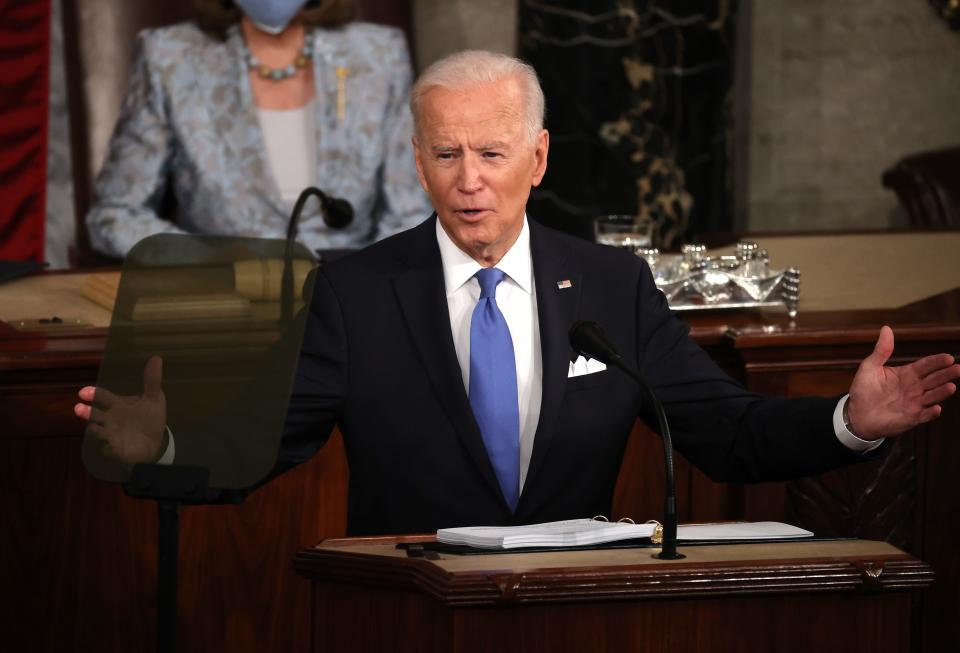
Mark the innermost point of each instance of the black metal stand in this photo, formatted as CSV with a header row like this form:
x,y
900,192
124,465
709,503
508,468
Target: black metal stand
x,y
170,486
167,558
669,548
588,339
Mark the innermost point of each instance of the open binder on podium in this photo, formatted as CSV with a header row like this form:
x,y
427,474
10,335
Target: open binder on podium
x,y
557,534
598,532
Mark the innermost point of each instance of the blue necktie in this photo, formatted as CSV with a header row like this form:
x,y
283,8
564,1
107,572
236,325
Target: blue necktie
x,y
493,385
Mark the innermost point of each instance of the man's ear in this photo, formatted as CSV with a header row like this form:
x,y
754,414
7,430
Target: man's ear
x,y
416,157
542,146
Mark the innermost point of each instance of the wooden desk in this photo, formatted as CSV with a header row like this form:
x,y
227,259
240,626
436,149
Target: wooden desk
x,y
368,596
79,556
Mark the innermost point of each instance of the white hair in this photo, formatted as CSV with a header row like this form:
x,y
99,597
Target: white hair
x,y
471,67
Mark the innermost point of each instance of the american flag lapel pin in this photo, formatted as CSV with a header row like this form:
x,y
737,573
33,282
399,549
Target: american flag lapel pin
x,y
564,283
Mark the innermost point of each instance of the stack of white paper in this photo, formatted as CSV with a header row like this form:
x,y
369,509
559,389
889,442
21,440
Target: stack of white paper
x,y
759,530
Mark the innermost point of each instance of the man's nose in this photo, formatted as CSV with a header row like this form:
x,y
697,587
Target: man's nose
x,y
469,180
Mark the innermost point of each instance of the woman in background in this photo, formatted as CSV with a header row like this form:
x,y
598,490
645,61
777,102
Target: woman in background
x,y
242,109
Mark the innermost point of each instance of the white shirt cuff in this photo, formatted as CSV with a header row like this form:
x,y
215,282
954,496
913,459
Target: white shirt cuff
x,y
847,439
171,450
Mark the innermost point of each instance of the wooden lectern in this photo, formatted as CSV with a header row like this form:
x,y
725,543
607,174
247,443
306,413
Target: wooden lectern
x,y
843,595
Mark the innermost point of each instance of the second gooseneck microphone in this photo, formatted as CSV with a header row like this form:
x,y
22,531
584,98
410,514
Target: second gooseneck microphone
x,y
337,214
588,339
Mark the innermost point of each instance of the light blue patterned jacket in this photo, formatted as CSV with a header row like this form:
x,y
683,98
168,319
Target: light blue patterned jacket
x,y
189,118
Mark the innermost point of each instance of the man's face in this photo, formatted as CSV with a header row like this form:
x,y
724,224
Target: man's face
x,y
477,163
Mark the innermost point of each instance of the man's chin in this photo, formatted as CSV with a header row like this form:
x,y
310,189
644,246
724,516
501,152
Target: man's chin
x,y
481,238
483,248
474,242
466,232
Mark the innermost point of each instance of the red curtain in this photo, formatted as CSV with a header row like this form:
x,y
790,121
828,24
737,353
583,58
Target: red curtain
x,y
24,84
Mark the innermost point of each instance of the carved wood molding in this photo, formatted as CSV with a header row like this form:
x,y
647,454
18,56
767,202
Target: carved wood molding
x,y
876,500
504,586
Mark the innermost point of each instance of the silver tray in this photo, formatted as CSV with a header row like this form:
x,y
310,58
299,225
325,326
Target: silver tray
x,y
695,280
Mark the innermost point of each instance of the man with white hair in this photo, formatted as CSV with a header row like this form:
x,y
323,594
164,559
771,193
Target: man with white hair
x,y
442,353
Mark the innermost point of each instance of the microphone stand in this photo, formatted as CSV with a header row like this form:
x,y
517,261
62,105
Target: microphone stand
x,y
588,339
669,549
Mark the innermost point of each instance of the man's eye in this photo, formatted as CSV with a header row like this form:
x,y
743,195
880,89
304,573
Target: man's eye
x,y
492,155
445,156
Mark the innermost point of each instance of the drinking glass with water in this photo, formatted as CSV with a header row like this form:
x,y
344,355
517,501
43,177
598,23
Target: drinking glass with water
x,y
626,231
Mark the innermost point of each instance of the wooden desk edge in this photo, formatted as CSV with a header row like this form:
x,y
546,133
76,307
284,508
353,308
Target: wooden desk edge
x,y
869,567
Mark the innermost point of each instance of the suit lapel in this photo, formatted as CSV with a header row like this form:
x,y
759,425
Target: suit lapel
x,y
556,311
423,302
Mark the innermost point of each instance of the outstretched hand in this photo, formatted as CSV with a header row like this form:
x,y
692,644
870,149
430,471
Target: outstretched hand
x,y
886,401
131,429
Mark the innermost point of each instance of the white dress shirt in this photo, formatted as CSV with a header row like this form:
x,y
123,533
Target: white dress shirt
x,y
517,300
849,440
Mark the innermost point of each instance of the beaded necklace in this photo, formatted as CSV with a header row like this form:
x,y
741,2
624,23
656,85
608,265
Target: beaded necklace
x,y
302,60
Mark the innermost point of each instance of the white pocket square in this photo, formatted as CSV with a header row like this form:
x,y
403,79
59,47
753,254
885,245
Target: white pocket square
x,y
583,366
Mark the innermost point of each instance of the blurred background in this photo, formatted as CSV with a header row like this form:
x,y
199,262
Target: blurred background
x,y
711,116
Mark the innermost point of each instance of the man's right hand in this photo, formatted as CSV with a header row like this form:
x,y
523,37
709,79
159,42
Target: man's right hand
x,y
130,429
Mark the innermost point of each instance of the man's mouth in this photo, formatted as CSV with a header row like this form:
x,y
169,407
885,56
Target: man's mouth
x,y
471,212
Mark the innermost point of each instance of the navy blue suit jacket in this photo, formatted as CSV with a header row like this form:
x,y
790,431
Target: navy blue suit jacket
x,y
378,360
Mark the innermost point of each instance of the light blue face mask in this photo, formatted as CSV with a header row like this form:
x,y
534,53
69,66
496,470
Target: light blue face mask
x,y
270,16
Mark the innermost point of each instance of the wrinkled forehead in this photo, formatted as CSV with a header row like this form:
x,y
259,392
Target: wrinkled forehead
x,y
486,110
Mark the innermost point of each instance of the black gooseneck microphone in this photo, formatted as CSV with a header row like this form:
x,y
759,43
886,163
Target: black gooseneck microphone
x,y
337,214
588,339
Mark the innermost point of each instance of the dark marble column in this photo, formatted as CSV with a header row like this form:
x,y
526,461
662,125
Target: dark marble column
x,y
638,107
949,10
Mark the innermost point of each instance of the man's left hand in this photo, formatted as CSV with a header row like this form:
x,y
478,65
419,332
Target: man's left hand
x,y
886,401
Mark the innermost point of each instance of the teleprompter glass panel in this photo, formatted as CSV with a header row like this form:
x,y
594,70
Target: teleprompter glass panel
x,y
201,352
